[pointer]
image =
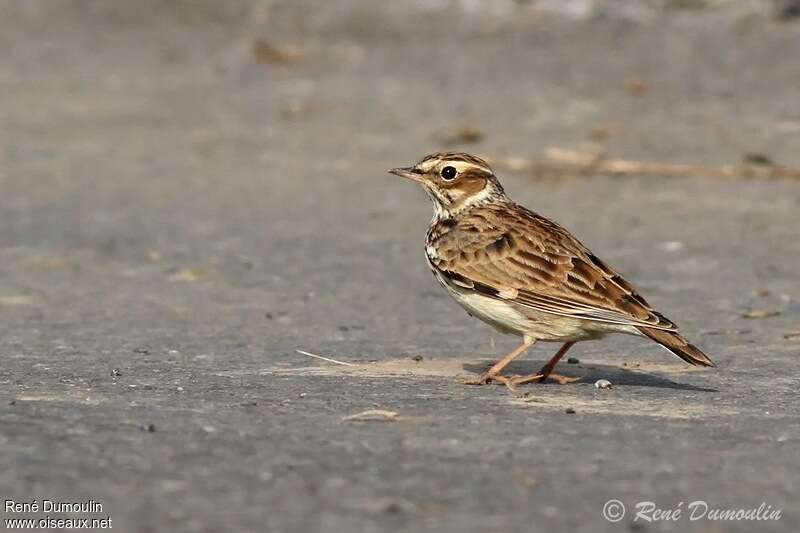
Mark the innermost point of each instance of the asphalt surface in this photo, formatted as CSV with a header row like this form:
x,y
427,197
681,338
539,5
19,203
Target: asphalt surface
x,y
182,208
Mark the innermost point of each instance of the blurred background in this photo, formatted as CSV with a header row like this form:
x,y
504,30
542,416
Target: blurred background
x,y
192,190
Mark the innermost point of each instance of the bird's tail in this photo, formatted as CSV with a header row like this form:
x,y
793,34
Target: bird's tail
x,y
679,346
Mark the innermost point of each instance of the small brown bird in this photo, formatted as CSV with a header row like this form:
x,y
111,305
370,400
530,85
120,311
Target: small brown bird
x,y
525,274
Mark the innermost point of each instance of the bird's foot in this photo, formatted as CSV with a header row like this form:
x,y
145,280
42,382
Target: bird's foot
x,y
562,380
513,381
482,379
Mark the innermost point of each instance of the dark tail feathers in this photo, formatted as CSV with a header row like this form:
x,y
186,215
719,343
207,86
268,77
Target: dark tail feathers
x,y
679,346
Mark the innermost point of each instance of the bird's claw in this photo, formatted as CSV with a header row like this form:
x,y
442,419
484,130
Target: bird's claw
x,y
563,380
512,382
482,379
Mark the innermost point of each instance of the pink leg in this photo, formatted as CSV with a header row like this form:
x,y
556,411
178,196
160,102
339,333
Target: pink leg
x,y
493,373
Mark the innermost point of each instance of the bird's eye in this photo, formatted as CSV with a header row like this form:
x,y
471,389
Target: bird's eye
x,y
448,173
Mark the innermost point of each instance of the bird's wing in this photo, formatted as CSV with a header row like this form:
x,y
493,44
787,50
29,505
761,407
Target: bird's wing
x,y
510,253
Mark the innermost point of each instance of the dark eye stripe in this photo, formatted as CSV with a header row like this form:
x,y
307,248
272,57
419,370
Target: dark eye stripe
x,y
475,173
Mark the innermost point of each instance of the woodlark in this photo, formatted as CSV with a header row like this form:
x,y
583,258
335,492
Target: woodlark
x,y
523,273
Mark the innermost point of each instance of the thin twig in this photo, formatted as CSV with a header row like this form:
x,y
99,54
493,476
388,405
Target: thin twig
x,y
372,414
562,161
325,358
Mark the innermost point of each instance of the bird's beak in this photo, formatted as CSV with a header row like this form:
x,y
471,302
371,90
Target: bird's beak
x,y
407,172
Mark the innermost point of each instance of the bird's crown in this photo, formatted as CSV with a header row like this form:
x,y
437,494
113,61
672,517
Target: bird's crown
x,y
454,180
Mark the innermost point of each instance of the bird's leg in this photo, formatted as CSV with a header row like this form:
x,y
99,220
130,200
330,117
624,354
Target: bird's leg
x,y
493,373
545,372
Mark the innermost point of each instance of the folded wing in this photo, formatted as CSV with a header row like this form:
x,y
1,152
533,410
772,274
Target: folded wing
x,y
537,264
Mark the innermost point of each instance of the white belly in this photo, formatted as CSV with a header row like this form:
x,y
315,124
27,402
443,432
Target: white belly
x,y
498,313
510,318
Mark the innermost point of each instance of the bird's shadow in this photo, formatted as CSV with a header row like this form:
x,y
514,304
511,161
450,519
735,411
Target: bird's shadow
x,y
589,373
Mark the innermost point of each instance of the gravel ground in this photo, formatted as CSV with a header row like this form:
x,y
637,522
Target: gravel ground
x,y
189,192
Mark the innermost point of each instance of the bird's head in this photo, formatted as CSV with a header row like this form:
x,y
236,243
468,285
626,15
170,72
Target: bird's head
x,y
454,181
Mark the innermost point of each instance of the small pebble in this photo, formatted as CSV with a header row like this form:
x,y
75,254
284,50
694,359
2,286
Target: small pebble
x,y
150,428
671,246
393,508
761,313
788,10
573,361
527,397
417,358
115,373
570,411
602,384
